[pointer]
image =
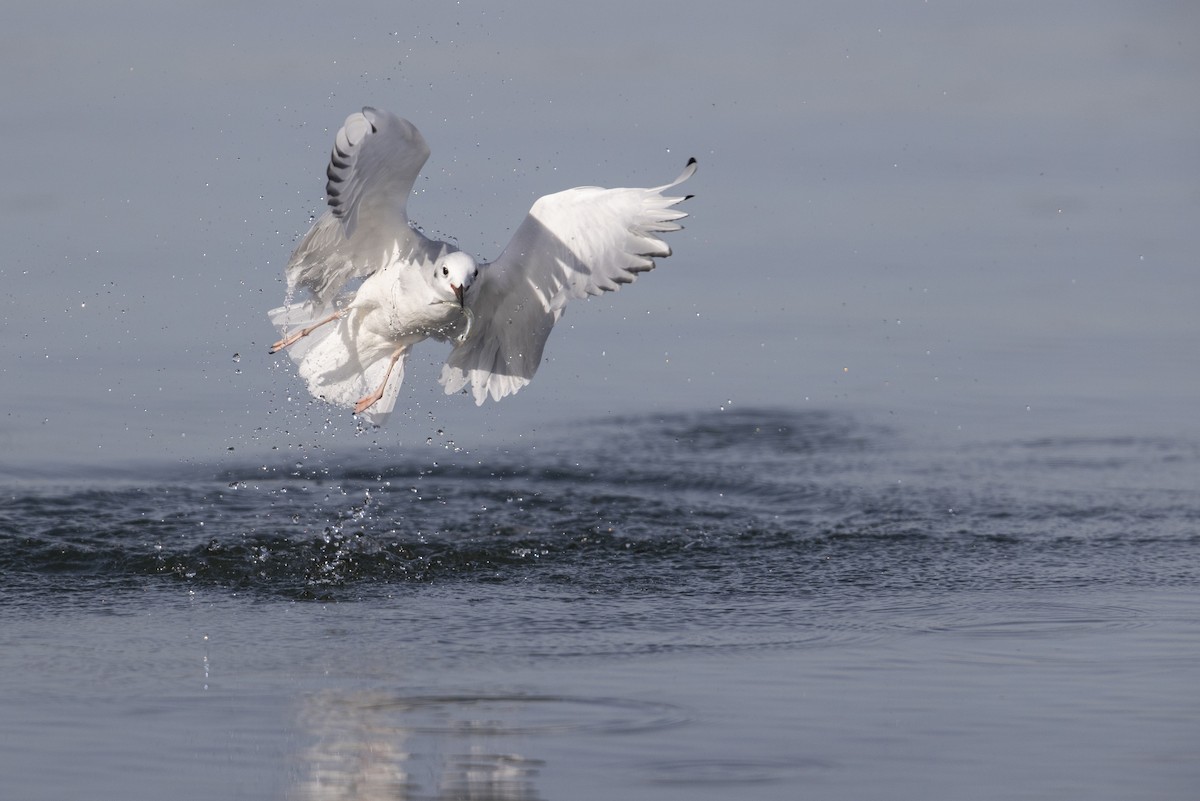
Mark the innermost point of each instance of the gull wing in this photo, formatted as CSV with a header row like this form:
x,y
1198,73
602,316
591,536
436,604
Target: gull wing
x,y
572,244
375,161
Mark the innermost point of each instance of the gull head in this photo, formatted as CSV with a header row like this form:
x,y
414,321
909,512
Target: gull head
x,y
453,275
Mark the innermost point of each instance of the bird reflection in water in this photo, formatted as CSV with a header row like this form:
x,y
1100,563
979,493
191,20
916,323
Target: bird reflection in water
x,y
372,747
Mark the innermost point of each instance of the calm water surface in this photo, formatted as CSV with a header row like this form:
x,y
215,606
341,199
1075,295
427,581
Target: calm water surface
x,y
739,604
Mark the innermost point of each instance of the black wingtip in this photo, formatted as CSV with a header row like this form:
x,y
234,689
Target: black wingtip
x,y
691,161
688,197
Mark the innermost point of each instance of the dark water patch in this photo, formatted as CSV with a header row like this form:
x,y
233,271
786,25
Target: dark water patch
x,y
753,503
761,431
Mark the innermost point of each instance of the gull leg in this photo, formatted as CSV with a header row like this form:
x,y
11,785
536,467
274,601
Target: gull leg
x,y
367,401
303,332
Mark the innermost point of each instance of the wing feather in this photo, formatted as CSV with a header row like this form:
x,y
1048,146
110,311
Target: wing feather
x,y
575,243
374,163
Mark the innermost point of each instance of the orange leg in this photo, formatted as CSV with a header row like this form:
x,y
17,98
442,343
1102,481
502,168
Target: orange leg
x,y
303,332
367,401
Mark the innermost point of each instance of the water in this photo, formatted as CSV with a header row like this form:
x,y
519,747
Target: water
x,y
966,232
729,604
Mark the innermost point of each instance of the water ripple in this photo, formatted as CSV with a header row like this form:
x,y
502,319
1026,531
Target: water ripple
x,y
752,502
503,714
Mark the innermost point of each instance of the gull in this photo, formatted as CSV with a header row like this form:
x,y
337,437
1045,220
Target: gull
x,y
350,338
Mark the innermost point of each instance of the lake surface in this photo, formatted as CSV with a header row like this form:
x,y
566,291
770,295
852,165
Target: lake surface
x,y
882,486
762,603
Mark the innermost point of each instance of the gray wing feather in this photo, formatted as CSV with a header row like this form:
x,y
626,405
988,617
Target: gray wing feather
x,y
375,161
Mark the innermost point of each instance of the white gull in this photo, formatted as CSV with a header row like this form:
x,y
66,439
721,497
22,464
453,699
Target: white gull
x,y
350,345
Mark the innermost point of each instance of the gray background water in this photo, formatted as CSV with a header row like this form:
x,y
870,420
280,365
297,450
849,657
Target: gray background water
x,y
887,487
922,207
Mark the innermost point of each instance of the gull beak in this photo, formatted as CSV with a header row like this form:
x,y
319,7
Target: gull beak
x,y
459,291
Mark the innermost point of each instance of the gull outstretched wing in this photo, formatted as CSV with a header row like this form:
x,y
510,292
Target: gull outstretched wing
x,y
579,242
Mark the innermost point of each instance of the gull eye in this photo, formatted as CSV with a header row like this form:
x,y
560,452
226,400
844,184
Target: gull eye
x,y
445,270
476,273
